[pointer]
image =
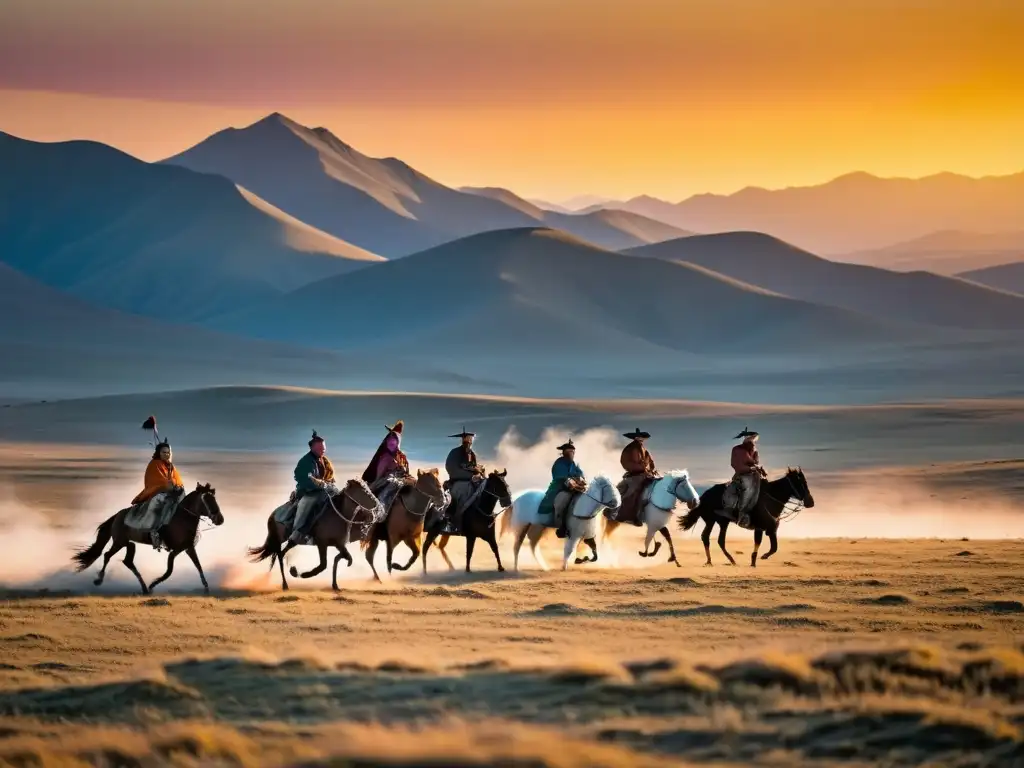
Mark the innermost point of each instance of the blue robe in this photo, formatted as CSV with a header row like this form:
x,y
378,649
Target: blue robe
x,y
561,471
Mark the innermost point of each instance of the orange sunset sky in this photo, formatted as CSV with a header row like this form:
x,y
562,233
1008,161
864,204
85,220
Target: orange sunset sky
x,y
549,98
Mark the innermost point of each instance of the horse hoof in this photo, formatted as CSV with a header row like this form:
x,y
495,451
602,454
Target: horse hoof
x,y
579,561
709,565
97,582
293,571
500,569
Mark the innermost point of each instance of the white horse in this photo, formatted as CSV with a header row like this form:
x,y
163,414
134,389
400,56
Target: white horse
x,y
584,521
657,512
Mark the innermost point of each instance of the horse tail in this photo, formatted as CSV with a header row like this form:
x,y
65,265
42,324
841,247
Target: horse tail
x,y
691,518
506,520
270,547
86,557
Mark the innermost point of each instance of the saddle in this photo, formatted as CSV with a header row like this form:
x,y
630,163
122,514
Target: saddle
x,y
733,495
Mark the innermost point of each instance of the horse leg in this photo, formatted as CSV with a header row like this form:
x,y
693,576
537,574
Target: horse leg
x,y
371,551
322,549
647,544
194,557
494,548
705,537
129,563
758,535
431,535
280,561
413,543
334,570
518,544
536,533
722,528
441,546
167,574
671,549
390,551
571,542
592,543
773,539
114,549
470,541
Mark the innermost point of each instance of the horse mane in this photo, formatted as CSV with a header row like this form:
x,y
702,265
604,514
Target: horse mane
x,y
359,482
677,473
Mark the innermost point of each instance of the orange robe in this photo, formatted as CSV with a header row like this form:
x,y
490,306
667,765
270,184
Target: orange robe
x,y
159,474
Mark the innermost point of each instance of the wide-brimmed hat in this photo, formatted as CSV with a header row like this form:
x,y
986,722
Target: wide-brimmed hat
x,y
747,433
463,434
566,446
636,434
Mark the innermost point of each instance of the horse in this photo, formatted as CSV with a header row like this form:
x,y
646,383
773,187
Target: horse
x,y
180,534
477,521
765,516
583,523
406,519
332,528
666,491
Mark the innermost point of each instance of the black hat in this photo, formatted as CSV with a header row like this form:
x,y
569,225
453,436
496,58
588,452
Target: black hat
x,y
463,434
747,433
637,434
315,439
567,446
150,424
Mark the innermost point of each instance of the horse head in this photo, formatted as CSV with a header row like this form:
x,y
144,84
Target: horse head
x,y
208,506
798,482
604,491
497,486
359,493
683,489
428,482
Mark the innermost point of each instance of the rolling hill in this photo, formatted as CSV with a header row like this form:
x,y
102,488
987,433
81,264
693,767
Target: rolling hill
x,y
545,297
902,297
155,240
855,212
55,345
1005,277
383,205
948,252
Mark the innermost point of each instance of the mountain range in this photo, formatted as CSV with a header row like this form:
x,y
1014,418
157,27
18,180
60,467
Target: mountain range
x,y
948,252
855,212
384,205
189,277
151,239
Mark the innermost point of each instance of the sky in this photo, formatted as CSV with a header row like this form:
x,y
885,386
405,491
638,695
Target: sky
x,y
550,98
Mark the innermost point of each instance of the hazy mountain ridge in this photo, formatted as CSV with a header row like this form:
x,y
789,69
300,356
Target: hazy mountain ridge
x,y
947,252
383,205
157,240
1005,277
903,297
854,212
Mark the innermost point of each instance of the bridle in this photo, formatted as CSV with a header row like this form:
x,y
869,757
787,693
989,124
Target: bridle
x,y
376,514
787,512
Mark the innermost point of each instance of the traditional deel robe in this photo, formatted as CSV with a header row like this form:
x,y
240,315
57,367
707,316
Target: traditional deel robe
x,y
744,457
561,471
309,464
159,474
385,463
461,463
639,466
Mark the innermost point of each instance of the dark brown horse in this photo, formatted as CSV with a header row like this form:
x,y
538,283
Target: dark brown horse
x,y
764,517
351,508
406,519
477,521
179,535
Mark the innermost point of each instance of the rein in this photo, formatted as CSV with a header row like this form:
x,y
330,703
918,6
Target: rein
x,y
374,513
199,516
786,512
431,502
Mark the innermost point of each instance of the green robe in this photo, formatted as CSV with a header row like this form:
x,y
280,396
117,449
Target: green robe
x,y
561,471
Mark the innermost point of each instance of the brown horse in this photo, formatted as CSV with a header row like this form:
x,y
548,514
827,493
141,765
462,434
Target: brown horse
x,y
406,519
351,508
179,535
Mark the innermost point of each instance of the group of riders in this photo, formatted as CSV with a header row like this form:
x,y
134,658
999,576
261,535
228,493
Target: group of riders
x,y
388,472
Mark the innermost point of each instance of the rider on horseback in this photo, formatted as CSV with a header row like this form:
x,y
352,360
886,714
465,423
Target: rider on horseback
x,y
567,479
741,492
162,482
465,476
388,470
312,474
640,471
